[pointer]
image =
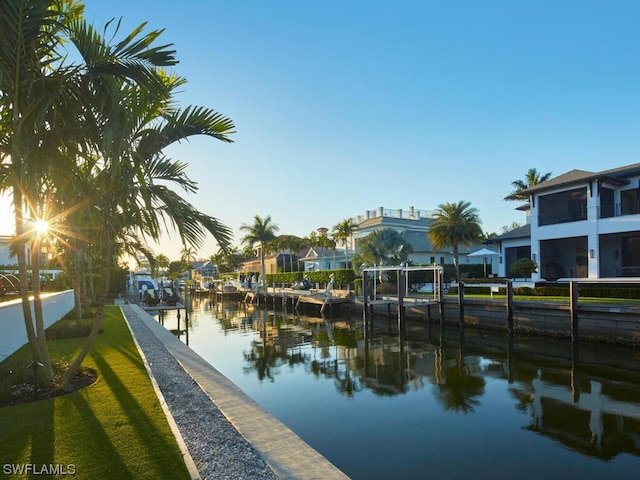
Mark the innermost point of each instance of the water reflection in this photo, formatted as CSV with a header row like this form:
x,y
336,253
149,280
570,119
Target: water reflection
x,y
586,399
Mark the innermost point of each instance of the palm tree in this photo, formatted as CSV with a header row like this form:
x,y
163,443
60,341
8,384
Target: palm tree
x,y
325,242
188,255
162,263
127,189
385,246
261,232
29,36
532,178
342,233
455,224
293,244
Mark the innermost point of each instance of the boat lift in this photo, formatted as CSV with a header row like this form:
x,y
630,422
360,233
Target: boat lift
x,y
402,298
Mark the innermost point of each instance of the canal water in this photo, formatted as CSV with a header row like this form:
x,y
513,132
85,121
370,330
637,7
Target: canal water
x,y
432,402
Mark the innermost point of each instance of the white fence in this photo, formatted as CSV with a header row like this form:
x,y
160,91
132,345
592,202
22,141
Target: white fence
x,y
13,334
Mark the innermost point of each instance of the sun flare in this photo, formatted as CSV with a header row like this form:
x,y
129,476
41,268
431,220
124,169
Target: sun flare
x,y
41,226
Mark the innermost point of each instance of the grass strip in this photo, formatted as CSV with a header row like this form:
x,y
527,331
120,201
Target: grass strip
x,y
115,428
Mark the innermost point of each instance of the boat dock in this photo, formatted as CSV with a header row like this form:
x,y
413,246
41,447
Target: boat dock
x,y
285,296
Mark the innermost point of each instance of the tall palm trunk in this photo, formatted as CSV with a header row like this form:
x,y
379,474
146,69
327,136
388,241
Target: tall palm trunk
x,y
105,276
456,262
23,274
264,270
46,373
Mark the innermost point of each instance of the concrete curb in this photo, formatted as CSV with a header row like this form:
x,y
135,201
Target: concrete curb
x,y
284,451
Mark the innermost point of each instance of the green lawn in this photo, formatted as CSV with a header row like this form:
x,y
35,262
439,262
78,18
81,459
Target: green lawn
x,y
114,428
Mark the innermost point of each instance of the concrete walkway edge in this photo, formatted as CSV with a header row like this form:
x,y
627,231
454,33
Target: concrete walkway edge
x,y
284,451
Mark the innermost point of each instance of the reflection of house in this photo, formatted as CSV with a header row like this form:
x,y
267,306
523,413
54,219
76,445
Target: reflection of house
x,y
585,225
413,225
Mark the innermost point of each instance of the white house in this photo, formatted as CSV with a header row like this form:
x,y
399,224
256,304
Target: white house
x,y
8,260
413,225
581,225
5,257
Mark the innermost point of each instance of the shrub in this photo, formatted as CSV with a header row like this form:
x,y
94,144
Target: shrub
x,y
523,267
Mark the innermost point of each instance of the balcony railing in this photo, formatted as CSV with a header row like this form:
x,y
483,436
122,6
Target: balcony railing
x,y
562,216
619,209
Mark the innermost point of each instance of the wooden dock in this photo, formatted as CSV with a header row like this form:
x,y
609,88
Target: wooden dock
x,y
284,296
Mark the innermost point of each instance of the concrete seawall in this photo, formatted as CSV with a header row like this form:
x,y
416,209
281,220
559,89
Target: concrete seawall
x,y
14,335
595,321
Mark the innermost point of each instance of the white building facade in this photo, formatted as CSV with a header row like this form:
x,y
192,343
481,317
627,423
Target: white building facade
x,y
584,225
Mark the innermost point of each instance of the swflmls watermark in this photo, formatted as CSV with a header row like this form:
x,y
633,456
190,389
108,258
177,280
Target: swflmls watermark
x,y
39,469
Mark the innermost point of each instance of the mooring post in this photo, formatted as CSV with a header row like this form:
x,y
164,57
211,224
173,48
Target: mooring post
x,y
365,301
401,287
461,302
441,296
573,305
510,306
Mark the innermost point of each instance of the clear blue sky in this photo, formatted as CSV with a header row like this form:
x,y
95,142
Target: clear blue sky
x,y
343,106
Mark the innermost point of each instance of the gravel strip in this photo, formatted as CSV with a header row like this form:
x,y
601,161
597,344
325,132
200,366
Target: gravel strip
x,y
217,448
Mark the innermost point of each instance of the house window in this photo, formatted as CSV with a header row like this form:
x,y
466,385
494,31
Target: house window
x,y
631,256
607,206
433,260
441,260
562,207
630,202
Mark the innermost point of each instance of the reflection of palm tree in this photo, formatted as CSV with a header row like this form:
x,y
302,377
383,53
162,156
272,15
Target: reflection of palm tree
x,y
456,389
267,355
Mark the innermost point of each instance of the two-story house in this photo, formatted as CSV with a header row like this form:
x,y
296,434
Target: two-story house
x,y
413,224
583,225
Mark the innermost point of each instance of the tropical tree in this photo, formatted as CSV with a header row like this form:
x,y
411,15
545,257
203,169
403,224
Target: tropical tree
x,y
32,85
384,246
532,178
326,242
512,226
87,138
292,243
455,225
261,232
162,262
342,233
129,189
227,260
188,254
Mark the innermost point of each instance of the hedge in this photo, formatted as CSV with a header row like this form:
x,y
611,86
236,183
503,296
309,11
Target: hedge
x,y
341,276
597,292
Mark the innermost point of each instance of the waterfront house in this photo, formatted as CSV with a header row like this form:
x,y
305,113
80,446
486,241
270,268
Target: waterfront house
x,y
582,225
202,272
320,258
413,225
